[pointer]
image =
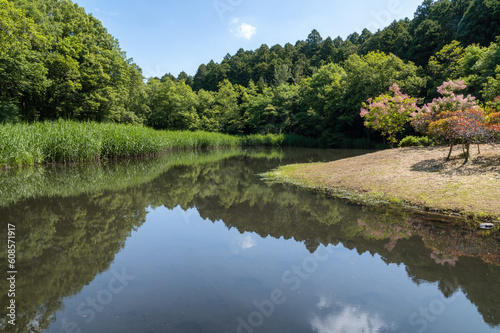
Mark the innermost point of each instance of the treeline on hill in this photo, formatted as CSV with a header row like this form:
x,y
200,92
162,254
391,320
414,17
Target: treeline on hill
x,y
56,61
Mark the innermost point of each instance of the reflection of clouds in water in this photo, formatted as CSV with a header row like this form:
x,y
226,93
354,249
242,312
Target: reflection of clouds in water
x,y
351,319
243,242
324,302
247,242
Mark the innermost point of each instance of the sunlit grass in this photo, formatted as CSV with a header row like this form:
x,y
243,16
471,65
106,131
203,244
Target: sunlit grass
x,y
69,141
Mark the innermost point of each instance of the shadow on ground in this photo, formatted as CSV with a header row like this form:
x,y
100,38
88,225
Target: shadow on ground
x,y
478,163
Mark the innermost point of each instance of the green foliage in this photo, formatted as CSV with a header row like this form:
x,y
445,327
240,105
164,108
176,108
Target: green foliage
x,y
445,64
282,74
322,97
59,62
173,105
474,27
491,88
56,61
416,141
69,141
227,109
281,140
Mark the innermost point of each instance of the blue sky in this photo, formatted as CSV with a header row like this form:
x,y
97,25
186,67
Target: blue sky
x,y
171,36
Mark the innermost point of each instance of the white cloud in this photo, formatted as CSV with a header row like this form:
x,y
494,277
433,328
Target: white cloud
x,y
243,30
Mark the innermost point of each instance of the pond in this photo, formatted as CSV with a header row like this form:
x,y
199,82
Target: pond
x,y
198,242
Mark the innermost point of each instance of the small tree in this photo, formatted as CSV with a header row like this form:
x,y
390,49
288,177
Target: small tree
x,y
442,113
389,114
466,127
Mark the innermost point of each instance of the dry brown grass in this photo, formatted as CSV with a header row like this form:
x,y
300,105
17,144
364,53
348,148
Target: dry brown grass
x,y
417,176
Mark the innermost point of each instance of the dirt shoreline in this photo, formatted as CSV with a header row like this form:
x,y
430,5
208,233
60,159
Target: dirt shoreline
x,y
417,177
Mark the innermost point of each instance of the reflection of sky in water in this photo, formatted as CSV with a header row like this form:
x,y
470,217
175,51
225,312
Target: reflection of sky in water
x,y
105,263
194,275
349,319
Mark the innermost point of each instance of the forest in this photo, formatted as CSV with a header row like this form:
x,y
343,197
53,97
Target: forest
x,y
57,61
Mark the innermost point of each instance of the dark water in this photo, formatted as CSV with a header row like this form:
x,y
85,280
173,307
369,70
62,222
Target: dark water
x,y
197,242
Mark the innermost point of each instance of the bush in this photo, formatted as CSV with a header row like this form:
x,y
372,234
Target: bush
x,y
416,141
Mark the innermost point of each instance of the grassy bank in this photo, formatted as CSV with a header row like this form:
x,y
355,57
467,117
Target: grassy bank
x,y
410,177
69,141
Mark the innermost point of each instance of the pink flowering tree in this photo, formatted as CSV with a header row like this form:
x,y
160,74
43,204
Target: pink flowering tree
x,y
389,114
450,101
454,118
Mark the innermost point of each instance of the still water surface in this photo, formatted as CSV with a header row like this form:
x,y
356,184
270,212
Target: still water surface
x,y
197,242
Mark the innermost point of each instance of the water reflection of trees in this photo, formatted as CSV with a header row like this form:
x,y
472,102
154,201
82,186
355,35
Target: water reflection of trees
x,y
62,244
453,257
65,241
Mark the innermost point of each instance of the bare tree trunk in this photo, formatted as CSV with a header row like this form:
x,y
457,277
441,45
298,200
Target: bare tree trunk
x,y
449,153
478,150
467,146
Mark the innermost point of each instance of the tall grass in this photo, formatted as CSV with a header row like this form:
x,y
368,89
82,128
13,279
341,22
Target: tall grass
x,y
69,141
281,140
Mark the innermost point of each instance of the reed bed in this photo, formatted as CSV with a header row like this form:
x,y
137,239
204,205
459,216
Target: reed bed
x,y
70,141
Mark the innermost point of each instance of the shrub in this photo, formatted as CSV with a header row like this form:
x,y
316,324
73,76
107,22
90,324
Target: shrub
x,y
416,141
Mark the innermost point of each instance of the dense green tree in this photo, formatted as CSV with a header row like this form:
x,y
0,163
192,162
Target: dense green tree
x,y
370,75
255,108
491,88
323,95
286,102
199,77
445,65
480,22
327,51
479,68
187,78
282,74
23,76
64,64
206,113
227,108
173,105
